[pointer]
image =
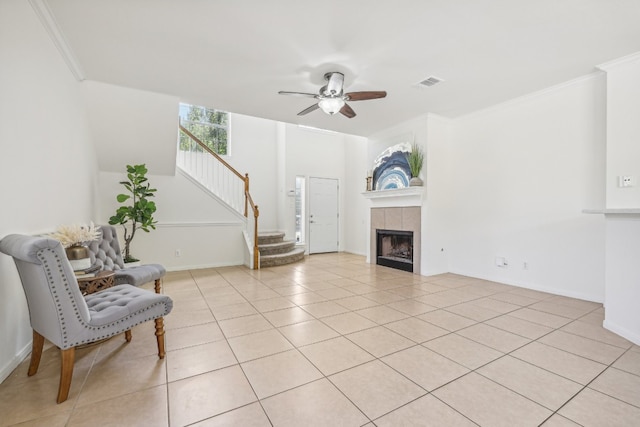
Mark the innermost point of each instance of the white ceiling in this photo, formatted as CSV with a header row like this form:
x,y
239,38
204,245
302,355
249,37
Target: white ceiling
x,y
236,55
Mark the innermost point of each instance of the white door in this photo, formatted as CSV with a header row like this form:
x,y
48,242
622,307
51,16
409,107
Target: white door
x,y
323,215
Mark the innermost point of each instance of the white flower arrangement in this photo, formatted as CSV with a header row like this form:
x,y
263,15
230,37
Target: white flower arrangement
x,y
76,234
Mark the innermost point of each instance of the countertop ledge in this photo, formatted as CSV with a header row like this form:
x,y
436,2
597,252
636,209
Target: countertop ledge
x,y
622,211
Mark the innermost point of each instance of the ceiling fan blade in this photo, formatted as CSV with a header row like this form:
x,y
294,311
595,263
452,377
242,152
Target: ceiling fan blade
x,y
301,94
308,110
335,81
363,96
347,111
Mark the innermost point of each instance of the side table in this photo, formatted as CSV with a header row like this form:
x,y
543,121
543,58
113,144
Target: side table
x,y
102,280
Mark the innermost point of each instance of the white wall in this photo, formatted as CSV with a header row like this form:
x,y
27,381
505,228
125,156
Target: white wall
x,y
521,174
623,131
356,229
131,126
47,165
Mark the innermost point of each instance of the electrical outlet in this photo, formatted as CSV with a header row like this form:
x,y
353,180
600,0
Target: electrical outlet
x,y
178,253
625,181
525,265
501,262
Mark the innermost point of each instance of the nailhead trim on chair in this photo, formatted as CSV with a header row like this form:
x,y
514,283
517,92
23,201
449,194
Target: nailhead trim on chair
x,y
65,282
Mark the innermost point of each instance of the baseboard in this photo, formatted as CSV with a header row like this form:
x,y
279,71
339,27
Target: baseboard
x,y
201,266
623,332
533,287
14,362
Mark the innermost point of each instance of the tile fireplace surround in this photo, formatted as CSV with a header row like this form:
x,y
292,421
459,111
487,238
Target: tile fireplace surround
x,y
401,219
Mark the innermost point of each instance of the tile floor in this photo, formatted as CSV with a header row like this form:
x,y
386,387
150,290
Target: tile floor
x,y
333,341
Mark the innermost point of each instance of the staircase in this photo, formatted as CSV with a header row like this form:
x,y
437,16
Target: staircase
x,y
275,251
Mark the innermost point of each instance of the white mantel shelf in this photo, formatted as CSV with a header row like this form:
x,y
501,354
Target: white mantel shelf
x,y
621,211
410,196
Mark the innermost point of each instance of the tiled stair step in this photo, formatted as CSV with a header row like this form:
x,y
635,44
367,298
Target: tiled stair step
x,y
277,248
281,259
270,237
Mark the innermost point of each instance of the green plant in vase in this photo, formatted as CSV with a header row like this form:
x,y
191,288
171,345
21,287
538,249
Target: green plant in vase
x,y
416,160
139,210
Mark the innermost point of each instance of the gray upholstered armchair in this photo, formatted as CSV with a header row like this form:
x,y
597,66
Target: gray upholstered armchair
x,y
105,252
59,312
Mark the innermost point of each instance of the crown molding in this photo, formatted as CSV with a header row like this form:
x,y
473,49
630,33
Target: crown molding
x,y
50,24
619,61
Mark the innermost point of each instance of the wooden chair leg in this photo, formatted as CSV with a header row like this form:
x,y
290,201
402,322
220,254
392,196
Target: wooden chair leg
x,y
157,286
36,353
160,336
127,335
66,373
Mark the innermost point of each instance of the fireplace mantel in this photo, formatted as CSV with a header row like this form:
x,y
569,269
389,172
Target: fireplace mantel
x,y
401,197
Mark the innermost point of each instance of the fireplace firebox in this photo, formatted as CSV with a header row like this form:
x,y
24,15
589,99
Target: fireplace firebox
x,y
395,249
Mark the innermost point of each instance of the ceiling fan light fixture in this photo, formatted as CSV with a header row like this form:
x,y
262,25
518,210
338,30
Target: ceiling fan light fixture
x,y
331,105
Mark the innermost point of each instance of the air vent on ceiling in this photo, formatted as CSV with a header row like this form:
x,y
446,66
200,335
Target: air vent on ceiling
x,y
430,81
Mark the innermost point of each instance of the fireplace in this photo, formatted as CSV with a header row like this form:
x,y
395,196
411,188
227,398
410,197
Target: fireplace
x,y
395,249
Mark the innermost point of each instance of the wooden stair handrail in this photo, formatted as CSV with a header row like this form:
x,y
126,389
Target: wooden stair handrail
x,y
248,200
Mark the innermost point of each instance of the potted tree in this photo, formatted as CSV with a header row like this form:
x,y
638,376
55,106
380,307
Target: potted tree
x,y
139,210
415,159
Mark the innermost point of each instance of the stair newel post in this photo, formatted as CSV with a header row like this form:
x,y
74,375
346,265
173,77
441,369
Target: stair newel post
x,y
256,250
246,193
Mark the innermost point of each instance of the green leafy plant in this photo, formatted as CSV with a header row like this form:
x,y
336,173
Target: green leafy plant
x,y
415,159
138,213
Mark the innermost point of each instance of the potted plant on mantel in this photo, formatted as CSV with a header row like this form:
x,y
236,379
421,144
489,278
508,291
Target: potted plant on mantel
x,y
138,213
415,159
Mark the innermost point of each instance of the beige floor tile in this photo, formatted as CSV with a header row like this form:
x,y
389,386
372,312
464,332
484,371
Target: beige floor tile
x,y
501,307
308,332
561,309
118,374
247,416
383,297
334,293
50,421
192,335
424,367
380,341
593,409
360,289
520,327
316,404
381,314
629,362
286,291
349,322
244,325
416,330
463,351
324,309
288,316
408,291
283,371
585,347
619,384
493,337
472,311
306,298
272,304
335,355
560,362
449,321
255,295
594,318
260,344
375,388
477,398
514,299
182,319
411,307
196,398
145,407
233,310
541,318
356,303
539,385
198,359
596,332
559,421
415,414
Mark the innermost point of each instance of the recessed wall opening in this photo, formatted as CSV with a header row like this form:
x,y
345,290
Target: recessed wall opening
x,y
395,249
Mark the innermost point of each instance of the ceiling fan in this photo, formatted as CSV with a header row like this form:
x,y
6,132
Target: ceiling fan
x,y
332,99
